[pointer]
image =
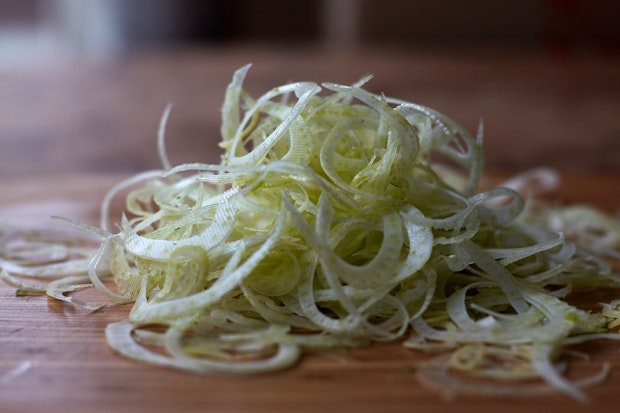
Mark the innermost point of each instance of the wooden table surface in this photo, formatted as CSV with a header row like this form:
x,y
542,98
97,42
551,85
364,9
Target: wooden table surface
x,y
70,131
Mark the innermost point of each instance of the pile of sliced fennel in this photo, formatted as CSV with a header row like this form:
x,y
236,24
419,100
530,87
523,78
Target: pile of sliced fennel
x,y
336,218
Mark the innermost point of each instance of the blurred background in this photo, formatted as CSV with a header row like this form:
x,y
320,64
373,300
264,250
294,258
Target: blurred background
x,y
84,82
31,29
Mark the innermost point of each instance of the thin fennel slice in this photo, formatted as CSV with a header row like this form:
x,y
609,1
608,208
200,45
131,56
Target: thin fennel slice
x,y
338,217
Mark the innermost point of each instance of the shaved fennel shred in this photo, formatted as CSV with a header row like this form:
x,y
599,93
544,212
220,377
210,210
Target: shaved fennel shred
x,y
32,260
330,222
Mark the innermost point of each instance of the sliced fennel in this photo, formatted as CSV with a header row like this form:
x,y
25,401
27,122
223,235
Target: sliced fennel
x,y
331,222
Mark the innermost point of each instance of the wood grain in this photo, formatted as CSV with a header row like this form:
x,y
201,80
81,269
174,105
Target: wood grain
x,y
53,357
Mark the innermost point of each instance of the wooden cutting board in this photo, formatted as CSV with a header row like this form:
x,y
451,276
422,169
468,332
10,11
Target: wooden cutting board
x,y
54,357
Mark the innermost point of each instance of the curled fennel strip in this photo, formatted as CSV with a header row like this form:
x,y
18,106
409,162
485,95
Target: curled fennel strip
x,y
338,217
32,260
